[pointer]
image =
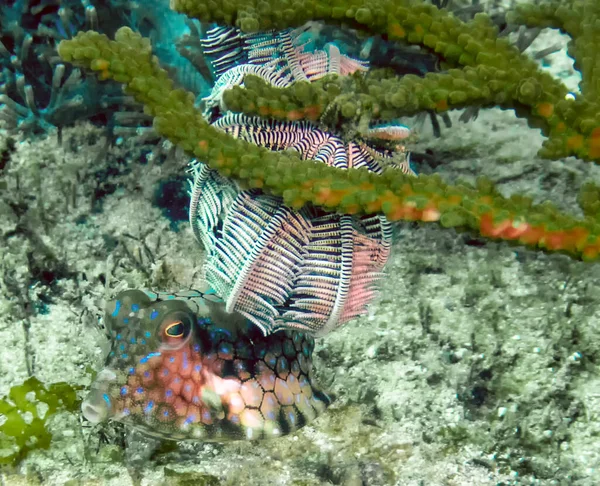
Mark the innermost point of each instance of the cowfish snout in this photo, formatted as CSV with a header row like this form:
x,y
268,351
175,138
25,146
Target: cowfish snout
x,y
126,319
97,405
181,367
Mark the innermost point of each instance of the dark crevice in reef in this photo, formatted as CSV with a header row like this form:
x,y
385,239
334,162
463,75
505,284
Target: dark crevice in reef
x,y
172,198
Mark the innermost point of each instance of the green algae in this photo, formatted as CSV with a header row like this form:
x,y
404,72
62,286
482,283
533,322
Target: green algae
x,y
190,478
26,411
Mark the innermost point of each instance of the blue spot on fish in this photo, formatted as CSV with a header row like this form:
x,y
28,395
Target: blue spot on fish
x,y
106,399
215,334
123,390
153,315
139,390
126,320
169,393
135,307
147,334
149,406
117,308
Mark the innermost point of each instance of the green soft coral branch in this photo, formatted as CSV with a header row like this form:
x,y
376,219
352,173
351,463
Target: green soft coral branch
x,y
339,100
494,72
577,18
128,59
570,125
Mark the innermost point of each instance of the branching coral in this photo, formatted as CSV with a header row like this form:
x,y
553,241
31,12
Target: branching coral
x,y
492,71
129,60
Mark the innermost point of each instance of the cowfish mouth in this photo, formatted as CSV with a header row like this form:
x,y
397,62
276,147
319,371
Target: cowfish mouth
x,y
180,367
96,407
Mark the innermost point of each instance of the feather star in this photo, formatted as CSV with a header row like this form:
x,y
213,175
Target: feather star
x,y
281,268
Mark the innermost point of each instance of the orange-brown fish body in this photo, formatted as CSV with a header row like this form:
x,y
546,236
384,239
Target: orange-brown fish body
x,y
182,368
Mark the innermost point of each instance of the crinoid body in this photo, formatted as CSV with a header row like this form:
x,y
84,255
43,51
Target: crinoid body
x,y
281,267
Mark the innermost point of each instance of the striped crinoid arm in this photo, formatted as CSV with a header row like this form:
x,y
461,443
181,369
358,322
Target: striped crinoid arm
x,y
368,259
256,256
316,144
285,268
210,196
324,281
304,269
341,272
238,230
267,133
224,47
281,53
235,77
329,61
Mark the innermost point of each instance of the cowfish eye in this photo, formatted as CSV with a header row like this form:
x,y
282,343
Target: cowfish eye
x,y
175,329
